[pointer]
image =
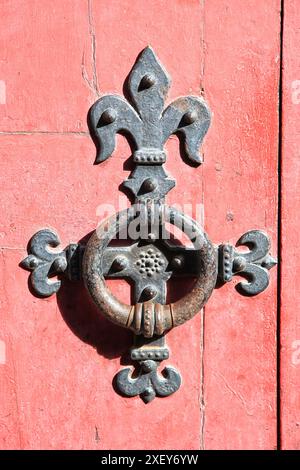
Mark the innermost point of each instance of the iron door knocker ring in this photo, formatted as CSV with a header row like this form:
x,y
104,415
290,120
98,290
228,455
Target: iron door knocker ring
x,y
159,317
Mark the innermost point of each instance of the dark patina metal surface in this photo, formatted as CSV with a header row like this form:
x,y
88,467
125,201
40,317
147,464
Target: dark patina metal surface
x,y
99,260
45,262
150,259
254,264
150,262
149,384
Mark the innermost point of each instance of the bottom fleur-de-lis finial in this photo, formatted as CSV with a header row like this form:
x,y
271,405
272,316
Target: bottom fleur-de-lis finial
x,y
148,384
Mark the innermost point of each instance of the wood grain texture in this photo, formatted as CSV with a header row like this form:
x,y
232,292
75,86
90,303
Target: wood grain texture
x,y
290,207
241,80
46,62
61,354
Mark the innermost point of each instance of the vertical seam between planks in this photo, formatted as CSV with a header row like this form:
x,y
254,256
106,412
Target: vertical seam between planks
x,y
202,313
201,395
279,234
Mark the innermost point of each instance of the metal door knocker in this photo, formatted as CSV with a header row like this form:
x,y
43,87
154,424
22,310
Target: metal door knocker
x,y
149,257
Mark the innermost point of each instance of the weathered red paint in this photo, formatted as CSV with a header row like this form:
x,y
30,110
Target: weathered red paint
x,y
56,389
61,356
241,81
290,270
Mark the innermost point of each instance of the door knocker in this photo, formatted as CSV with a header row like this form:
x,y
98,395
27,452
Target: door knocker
x,y
149,257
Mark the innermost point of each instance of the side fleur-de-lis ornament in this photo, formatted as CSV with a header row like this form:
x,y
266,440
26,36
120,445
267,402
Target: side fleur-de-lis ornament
x,y
149,257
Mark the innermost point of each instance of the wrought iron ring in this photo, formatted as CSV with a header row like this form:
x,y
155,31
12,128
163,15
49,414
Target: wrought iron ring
x,y
149,318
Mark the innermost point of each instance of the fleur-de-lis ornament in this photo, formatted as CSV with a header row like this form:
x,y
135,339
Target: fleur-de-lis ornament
x,y
146,120
148,125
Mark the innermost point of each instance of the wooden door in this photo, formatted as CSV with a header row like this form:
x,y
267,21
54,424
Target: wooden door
x,y
58,355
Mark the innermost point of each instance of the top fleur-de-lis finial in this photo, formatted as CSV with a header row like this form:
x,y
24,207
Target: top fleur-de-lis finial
x,y
145,120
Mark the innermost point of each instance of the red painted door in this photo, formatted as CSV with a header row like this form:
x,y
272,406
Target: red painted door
x,y
58,355
290,204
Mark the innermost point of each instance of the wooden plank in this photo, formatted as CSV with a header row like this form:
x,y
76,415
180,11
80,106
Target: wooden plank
x,y
60,359
46,65
290,208
241,79
61,354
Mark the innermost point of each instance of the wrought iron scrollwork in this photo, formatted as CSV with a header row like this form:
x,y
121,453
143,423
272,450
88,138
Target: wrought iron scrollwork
x,y
145,120
149,384
254,265
44,262
150,260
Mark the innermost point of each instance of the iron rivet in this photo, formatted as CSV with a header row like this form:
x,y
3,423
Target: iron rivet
x,y
147,81
151,236
119,263
149,292
190,117
60,264
149,263
177,262
239,264
149,185
33,263
108,116
148,365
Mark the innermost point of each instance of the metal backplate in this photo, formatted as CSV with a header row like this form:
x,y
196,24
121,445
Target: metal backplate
x,y
135,244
